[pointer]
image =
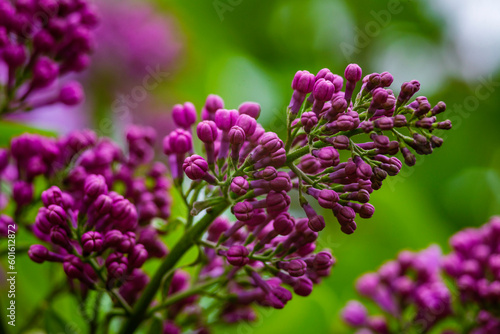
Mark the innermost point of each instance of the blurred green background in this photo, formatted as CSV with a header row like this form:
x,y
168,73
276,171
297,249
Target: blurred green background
x,y
249,51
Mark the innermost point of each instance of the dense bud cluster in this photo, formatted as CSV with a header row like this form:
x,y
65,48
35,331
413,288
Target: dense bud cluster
x,y
41,41
474,265
100,215
329,122
99,235
256,174
414,295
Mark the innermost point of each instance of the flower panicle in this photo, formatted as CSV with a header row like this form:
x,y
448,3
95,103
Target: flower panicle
x,y
419,291
40,43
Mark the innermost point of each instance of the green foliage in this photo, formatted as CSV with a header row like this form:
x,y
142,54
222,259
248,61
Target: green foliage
x,y
11,129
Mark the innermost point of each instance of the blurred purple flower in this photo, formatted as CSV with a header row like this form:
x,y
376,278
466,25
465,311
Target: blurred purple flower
x,y
132,39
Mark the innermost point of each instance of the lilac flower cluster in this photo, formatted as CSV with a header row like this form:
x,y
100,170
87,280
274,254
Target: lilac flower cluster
x,y
474,265
132,39
97,234
98,215
413,292
245,160
411,281
41,41
326,123
255,174
69,160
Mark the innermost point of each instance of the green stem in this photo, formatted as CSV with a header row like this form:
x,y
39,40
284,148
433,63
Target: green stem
x,y
291,157
184,244
300,173
289,137
184,294
111,291
95,316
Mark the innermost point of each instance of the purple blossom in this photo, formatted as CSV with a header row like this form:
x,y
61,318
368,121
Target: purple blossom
x,y
46,42
107,218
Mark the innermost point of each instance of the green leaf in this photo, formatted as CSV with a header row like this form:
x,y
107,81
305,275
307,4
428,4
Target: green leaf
x,y
178,206
54,323
11,129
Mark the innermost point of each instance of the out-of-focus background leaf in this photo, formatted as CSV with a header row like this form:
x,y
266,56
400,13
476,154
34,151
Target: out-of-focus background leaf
x,y
249,50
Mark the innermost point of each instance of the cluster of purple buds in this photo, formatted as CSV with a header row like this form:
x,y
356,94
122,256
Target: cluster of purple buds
x,y
40,42
104,214
96,238
414,294
275,255
327,122
474,265
409,288
265,250
69,160
83,219
100,215
101,237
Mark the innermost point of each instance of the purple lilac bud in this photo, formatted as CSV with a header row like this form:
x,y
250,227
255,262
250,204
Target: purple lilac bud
x,y
352,75
283,224
302,84
14,55
59,236
154,246
137,256
71,94
338,106
327,156
207,132
117,265
251,109
40,254
438,108
247,123
95,185
113,238
322,91
92,242
179,141
236,137
4,159
408,89
219,226
53,195
243,210
212,104
239,186
386,79
184,115
101,206
309,121
226,119
316,222
196,168
22,192
237,255
45,73
355,314
7,225
295,268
